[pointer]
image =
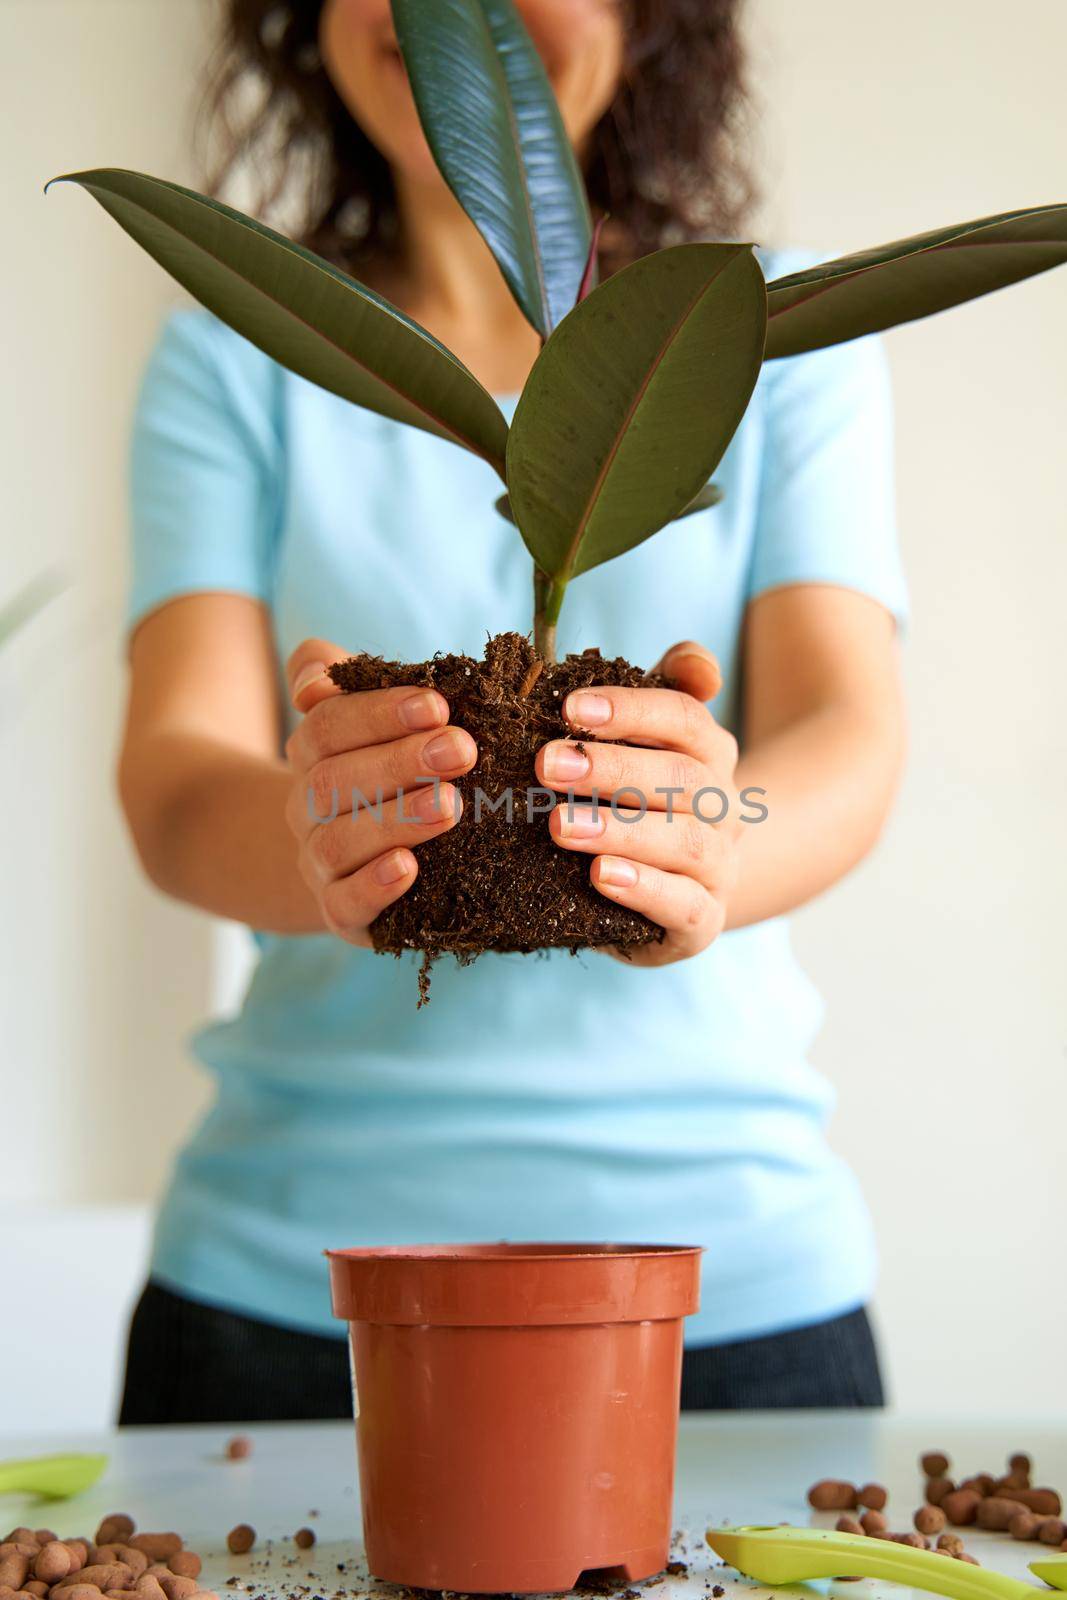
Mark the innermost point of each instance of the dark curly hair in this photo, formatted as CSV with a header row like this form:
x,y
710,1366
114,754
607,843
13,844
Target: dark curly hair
x,y
666,159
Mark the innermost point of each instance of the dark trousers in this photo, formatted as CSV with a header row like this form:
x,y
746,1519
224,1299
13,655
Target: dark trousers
x,y
190,1362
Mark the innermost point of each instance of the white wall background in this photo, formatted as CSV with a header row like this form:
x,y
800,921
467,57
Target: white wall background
x,y
942,959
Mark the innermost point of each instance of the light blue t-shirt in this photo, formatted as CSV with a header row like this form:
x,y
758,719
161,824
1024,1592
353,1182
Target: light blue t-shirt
x,y
546,1097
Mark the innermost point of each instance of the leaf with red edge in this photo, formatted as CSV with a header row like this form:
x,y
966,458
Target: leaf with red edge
x,y
589,276
302,310
910,278
632,402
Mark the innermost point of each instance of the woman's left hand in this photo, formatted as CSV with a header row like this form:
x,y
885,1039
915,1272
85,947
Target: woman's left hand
x,y
663,848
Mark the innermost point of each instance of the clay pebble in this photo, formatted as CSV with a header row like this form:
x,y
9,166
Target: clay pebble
x,y
115,1528
833,1494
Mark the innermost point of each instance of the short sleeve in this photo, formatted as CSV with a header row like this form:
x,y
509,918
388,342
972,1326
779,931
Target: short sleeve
x,y
203,467
827,509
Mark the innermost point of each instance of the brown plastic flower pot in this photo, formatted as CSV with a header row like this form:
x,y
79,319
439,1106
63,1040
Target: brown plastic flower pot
x,y
516,1408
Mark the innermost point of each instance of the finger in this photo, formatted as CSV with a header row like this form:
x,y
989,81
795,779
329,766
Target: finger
x,y
345,722
348,842
663,780
692,668
663,718
691,916
351,904
682,843
305,672
363,777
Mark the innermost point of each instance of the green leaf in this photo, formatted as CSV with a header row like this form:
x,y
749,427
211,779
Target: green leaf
x,y
911,278
494,128
709,496
632,403
307,314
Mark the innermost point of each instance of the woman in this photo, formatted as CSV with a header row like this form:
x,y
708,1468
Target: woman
x,y
277,529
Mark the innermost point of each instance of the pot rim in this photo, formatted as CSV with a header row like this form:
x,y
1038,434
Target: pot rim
x,y
521,1284
505,1250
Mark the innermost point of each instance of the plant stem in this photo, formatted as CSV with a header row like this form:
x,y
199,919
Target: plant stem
x,y
545,640
548,598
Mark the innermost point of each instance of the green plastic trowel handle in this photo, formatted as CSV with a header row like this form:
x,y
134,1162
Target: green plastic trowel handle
x,y
793,1555
1053,1569
52,1477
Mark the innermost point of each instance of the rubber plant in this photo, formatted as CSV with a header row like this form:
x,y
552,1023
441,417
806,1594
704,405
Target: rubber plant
x,y
639,386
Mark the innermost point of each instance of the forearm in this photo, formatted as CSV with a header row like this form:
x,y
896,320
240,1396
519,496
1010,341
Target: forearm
x,y
210,829
829,780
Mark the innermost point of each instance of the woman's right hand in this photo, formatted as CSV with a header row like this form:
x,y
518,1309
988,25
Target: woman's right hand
x,y
393,743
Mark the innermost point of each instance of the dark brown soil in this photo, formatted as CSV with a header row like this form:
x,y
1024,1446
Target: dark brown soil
x,y
491,883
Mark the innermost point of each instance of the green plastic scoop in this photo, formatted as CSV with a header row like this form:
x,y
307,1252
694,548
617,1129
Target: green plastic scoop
x,y
793,1555
51,1477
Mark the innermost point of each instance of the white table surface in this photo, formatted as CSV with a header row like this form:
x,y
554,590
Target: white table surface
x,y
731,1468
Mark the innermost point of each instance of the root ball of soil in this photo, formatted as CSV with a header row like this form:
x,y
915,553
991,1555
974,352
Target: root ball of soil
x,y
495,882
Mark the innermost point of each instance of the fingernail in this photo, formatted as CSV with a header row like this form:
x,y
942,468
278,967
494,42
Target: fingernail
x,y
309,673
616,873
563,761
580,822
695,658
426,710
586,710
694,661
449,751
391,868
435,804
